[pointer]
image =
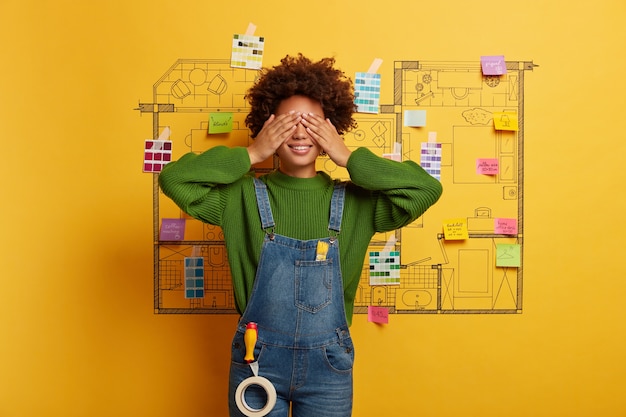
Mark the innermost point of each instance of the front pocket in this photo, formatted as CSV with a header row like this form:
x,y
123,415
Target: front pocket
x,y
313,284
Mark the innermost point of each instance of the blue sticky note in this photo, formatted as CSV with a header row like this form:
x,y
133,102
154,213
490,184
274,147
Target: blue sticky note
x,y
415,118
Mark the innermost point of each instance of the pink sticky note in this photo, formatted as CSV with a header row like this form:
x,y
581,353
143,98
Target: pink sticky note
x,y
377,314
487,166
505,226
493,65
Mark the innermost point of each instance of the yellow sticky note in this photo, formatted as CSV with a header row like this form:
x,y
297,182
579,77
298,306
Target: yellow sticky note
x,y
455,229
505,120
508,255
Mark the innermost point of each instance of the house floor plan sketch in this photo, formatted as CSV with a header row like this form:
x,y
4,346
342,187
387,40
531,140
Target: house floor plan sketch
x,y
437,276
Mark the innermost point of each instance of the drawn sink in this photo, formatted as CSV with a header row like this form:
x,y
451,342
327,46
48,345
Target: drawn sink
x,y
414,299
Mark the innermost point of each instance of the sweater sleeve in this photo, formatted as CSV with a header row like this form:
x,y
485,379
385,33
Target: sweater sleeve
x,y
401,191
198,183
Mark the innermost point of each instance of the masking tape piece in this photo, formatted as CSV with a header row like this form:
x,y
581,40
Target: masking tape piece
x,y
241,400
165,134
391,242
376,63
251,29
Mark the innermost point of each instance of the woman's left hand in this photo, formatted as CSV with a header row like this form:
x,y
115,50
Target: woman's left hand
x,y
325,134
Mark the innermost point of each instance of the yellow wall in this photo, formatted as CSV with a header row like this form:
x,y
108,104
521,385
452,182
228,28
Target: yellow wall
x,y
78,335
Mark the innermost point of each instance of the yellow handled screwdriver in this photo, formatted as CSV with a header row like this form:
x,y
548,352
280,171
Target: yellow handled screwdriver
x,y
249,338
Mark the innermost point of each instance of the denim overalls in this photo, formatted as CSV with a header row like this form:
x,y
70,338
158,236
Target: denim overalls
x,y
304,346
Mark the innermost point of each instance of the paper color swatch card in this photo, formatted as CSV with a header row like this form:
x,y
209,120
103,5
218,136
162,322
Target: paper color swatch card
x,y
157,153
367,92
430,158
194,277
247,51
385,268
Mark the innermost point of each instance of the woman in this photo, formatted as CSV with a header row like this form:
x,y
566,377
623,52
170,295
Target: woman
x,y
300,292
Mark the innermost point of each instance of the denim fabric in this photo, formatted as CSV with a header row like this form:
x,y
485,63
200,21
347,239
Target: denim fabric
x,y
304,346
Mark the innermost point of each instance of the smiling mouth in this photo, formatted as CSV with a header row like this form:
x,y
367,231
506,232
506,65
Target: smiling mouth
x,y
300,147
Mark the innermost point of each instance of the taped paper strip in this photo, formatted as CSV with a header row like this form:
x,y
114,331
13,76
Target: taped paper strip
x,y
396,155
165,134
391,242
251,29
376,63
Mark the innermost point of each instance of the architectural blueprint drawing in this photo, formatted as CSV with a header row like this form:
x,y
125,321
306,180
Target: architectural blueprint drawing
x,y
437,276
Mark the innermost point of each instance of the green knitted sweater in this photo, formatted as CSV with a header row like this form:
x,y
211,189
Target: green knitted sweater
x,y
216,187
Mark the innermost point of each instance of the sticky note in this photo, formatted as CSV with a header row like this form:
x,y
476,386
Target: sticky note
x,y
508,255
172,229
415,118
505,120
487,166
384,268
377,314
503,226
220,123
455,229
493,64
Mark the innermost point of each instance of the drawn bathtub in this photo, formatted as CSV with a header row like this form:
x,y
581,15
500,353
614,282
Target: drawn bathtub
x,y
415,299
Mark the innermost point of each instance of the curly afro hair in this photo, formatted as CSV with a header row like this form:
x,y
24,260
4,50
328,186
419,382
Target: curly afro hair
x,y
300,76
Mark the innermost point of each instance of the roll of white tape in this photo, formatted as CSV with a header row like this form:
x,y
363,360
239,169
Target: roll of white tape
x,y
240,394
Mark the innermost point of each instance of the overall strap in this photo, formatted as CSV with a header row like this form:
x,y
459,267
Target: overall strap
x,y
265,211
336,207
263,203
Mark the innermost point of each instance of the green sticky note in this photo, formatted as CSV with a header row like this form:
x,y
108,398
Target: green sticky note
x,y
508,255
220,123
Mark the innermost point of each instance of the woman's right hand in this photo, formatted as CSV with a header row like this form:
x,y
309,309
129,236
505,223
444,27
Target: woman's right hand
x,y
275,131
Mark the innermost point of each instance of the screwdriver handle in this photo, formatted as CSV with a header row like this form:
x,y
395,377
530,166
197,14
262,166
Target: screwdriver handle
x,y
249,338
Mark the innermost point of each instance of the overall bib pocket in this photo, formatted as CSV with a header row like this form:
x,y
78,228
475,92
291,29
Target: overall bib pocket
x,y
313,284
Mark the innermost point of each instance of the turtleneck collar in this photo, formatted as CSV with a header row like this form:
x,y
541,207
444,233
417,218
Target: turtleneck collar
x,y
320,181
